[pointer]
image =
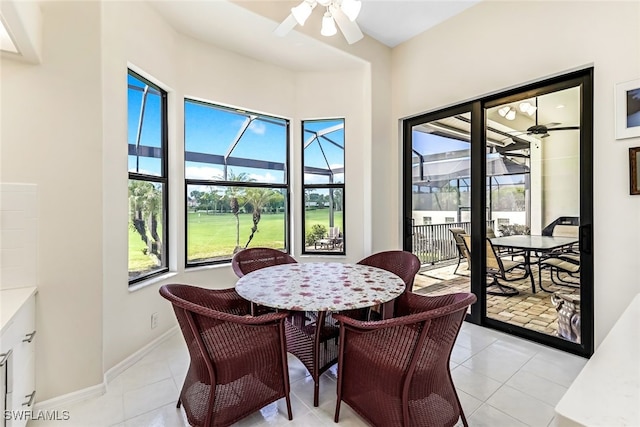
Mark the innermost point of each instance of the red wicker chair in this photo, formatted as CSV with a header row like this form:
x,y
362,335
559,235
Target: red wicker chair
x,y
238,362
401,263
395,372
251,259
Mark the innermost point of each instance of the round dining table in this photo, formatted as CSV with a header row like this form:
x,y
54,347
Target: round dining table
x,y
320,286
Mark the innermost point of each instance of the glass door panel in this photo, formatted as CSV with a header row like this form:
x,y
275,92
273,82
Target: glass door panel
x,y
440,201
533,201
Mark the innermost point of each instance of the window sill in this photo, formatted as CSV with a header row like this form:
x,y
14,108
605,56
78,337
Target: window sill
x,y
324,256
207,267
151,281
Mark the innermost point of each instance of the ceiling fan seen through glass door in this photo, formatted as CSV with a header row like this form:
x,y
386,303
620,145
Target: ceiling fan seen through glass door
x,y
526,107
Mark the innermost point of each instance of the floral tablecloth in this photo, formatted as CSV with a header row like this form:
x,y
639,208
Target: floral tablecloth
x,y
320,286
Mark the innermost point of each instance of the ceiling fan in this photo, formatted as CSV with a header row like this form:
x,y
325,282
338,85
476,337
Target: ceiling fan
x,y
341,12
544,130
537,129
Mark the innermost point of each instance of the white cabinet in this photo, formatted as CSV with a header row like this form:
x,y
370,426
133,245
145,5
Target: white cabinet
x,y
17,355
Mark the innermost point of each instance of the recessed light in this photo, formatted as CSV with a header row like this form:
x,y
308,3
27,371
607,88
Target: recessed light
x,y
560,106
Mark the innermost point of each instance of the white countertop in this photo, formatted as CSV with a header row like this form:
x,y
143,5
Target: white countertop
x,y
607,391
10,302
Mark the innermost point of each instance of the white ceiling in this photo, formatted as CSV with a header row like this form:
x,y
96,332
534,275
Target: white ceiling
x,y
394,21
247,27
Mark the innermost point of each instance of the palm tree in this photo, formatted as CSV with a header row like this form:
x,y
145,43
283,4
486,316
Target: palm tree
x,y
258,198
235,195
145,204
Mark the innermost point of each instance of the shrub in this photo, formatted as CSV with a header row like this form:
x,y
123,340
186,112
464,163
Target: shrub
x,y
318,231
515,229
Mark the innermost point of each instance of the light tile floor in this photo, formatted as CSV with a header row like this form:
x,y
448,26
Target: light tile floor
x,y
501,380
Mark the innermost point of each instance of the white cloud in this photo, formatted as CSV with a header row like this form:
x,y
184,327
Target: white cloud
x,y
202,172
258,128
263,178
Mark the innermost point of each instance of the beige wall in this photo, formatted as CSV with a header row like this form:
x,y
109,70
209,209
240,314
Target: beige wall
x,y
51,136
495,45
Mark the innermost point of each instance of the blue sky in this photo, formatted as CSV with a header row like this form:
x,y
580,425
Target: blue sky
x,y
211,130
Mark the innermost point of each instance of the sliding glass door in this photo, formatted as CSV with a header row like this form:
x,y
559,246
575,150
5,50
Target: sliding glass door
x,y
498,201
440,200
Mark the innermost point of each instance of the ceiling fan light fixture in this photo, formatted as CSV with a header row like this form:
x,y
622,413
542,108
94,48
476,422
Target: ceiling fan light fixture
x,y
351,8
335,18
328,25
527,107
507,112
302,11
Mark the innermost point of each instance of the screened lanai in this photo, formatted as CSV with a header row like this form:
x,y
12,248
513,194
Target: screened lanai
x,y
441,182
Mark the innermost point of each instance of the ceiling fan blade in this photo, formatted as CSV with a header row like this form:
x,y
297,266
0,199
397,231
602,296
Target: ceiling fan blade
x,y
565,128
287,25
349,28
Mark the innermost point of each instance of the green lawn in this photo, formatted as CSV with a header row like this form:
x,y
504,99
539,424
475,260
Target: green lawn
x,y
213,236
138,261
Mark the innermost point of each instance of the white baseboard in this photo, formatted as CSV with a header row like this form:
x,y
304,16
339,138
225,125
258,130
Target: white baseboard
x,y
66,400
131,360
69,399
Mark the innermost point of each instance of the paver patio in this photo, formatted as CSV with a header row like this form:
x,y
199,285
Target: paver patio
x,y
528,310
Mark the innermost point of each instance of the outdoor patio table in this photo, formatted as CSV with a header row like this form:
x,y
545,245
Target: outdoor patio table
x,y
319,287
527,244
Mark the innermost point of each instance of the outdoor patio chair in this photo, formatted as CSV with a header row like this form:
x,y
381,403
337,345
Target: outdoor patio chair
x,y
563,220
331,240
238,363
395,372
498,268
462,252
401,263
568,263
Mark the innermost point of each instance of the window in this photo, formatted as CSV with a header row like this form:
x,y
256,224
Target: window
x,y
449,219
237,183
147,139
426,220
323,184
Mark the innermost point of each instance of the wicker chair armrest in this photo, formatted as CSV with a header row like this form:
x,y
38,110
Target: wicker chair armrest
x,y
370,325
219,315
409,303
447,304
243,320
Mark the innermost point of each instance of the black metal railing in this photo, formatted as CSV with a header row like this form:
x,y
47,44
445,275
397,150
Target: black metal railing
x,y
434,243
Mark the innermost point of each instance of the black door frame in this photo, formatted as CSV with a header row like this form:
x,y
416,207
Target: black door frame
x,y
477,107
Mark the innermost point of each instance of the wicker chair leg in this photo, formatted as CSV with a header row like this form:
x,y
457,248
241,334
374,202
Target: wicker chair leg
x,y
288,400
464,419
316,393
340,375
